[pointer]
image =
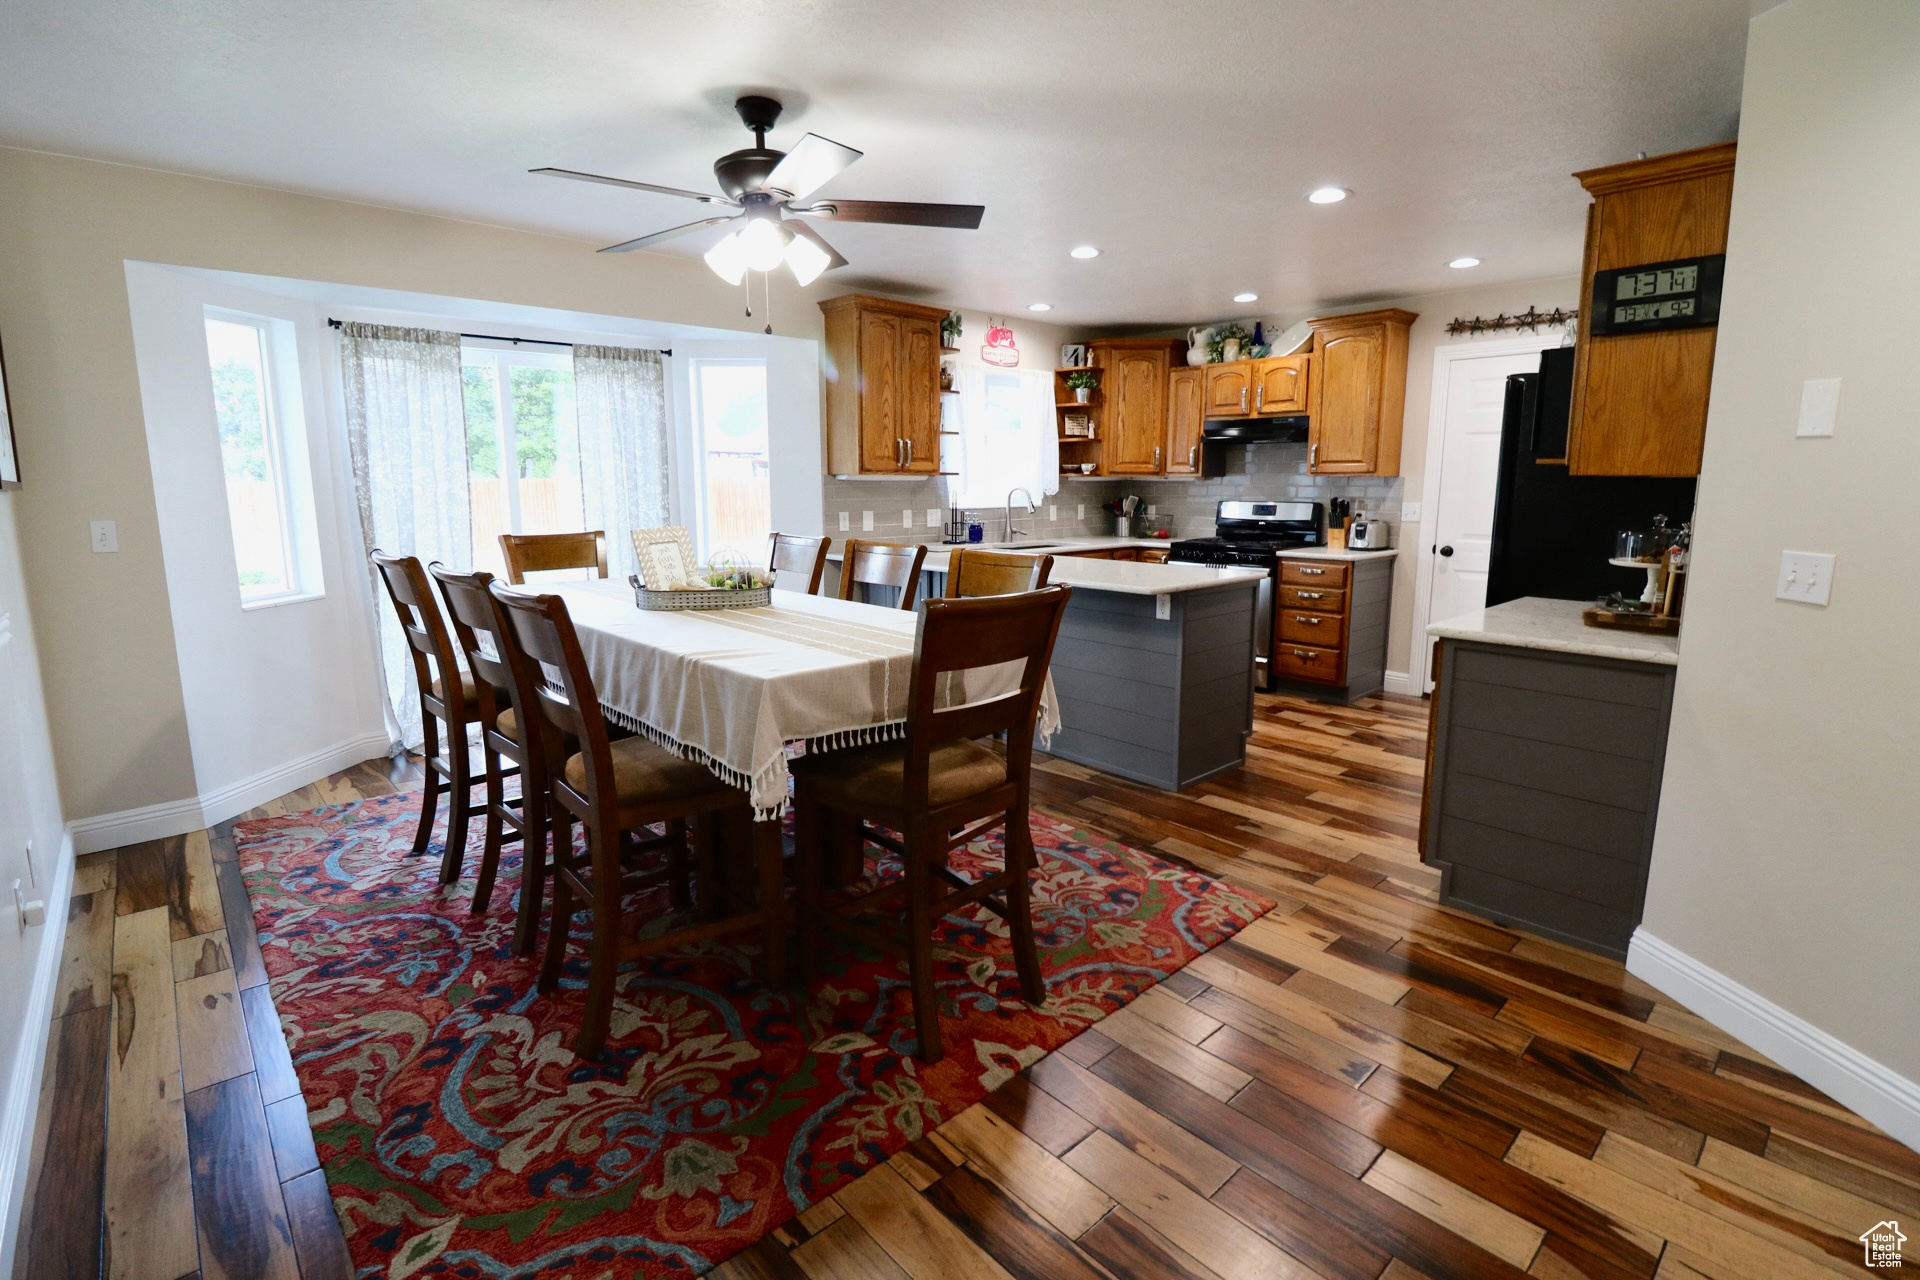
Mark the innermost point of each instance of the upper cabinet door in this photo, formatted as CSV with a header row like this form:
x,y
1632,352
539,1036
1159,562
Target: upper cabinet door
x,y
1186,415
882,433
920,394
1280,385
1229,389
1136,393
1344,433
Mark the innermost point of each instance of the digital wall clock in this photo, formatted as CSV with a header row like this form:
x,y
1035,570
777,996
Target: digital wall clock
x,y
1681,294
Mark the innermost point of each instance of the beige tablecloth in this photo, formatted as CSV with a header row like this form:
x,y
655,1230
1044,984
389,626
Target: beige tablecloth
x,y
731,687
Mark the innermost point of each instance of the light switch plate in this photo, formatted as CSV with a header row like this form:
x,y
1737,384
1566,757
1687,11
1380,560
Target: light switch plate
x,y
1806,577
1053,513
1410,513
1819,406
1079,511
106,539
933,517
906,518
866,522
1152,510
846,522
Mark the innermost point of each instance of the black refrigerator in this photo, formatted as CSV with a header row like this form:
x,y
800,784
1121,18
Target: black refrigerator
x,y
1553,533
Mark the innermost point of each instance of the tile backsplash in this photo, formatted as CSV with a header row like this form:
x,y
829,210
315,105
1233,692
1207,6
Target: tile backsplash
x,y
1251,471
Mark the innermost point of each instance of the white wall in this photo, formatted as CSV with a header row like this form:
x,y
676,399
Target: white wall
x,y
29,812
1785,889
274,696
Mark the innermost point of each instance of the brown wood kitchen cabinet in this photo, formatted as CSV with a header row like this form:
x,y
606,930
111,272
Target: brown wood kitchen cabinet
x,y
1358,393
1330,627
1186,416
1640,399
1265,388
1134,376
883,386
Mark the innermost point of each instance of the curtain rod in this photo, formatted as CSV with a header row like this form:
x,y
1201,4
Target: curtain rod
x,y
494,337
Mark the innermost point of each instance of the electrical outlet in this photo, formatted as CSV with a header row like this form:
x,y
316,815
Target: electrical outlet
x,y
1163,607
866,522
1806,577
1152,510
106,540
933,517
1409,513
906,518
1053,513
1079,511
846,521
1819,405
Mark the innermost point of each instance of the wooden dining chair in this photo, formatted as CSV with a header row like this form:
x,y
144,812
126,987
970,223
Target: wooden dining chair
x,y
994,573
882,564
615,788
479,627
940,789
526,553
449,704
804,556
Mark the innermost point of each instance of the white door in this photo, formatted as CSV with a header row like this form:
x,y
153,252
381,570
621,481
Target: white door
x,y
1462,537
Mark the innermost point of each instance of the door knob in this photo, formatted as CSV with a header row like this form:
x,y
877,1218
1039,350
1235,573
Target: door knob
x,y
1446,551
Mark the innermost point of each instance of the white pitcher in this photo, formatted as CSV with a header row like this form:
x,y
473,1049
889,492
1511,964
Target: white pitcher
x,y
1197,339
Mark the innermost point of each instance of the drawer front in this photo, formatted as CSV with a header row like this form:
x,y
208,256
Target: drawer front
x,y
1299,626
1305,662
1151,555
1314,599
1311,573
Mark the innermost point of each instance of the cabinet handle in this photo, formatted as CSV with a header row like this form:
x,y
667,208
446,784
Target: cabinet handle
x,y
1156,457
1313,456
1243,399
1193,458
909,452
1305,569
1312,595
1303,653
1260,397
1311,622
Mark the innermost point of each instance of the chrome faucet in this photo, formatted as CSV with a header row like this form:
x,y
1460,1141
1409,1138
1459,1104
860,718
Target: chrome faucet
x,y
1012,532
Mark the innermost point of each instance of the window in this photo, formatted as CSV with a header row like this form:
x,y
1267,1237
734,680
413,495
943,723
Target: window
x,y
263,455
523,447
733,492
1006,440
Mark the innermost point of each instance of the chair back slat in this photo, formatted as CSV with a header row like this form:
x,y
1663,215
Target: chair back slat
x,y
527,553
882,564
959,635
428,641
801,557
543,637
479,628
995,573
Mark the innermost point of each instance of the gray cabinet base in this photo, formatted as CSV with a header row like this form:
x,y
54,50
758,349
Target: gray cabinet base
x,y
1544,788
1164,701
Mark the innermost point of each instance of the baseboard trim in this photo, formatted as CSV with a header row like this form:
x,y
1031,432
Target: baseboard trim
x,y
177,817
22,1103
1870,1088
1400,682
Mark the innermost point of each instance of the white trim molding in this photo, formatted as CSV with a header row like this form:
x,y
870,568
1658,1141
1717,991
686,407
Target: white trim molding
x,y
1400,682
21,1102
1837,1069
194,813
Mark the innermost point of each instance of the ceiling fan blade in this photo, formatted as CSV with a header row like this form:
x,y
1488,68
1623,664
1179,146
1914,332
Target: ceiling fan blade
x,y
645,241
965,217
637,186
806,232
809,165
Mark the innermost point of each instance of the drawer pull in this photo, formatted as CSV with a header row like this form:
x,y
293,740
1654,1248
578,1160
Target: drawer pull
x,y
1316,572
1311,622
1313,595
1303,653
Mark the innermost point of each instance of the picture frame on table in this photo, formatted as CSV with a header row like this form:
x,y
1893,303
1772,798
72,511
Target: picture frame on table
x,y
665,555
9,448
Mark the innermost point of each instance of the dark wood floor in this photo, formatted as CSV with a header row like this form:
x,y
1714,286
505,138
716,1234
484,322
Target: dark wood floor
x,y
1363,1086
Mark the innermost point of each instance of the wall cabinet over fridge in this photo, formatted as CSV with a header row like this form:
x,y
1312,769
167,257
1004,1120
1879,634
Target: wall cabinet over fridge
x,y
883,386
1358,393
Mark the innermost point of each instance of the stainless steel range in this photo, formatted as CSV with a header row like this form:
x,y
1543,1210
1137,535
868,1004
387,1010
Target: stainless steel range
x,y
1256,534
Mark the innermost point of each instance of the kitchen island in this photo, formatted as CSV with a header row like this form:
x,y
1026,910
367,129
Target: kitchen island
x,y
1543,770
1154,666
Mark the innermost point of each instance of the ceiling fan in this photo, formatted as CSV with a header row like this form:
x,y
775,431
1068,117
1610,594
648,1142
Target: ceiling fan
x,y
762,185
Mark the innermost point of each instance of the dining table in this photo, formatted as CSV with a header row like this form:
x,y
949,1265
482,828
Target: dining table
x,y
734,688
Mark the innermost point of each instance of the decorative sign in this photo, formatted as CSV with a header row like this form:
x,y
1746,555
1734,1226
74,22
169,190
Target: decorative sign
x,y
999,347
1681,294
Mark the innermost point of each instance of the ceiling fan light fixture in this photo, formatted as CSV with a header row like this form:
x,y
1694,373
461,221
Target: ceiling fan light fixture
x,y
806,260
763,243
728,258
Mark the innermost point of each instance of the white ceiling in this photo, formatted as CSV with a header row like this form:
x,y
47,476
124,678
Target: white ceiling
x,y
1180,139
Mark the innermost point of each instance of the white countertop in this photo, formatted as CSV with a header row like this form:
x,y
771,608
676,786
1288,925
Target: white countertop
x,y
1337,553
1534,623
1128,577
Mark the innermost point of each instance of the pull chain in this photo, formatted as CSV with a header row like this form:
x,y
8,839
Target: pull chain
x,y
746,283
766,296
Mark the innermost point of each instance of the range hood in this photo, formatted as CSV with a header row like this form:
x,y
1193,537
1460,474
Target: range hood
x,y
1288,430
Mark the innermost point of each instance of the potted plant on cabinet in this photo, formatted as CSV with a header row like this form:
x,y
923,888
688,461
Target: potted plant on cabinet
x,y
1082,382
950,331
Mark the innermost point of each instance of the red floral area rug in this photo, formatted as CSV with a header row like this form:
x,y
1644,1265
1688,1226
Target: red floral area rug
x,y
462,1137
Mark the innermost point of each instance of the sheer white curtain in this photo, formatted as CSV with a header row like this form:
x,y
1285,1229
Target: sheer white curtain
x,y
406,428
1008,435
620,395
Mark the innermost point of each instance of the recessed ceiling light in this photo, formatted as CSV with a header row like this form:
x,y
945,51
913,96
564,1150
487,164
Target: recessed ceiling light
x,y
1084,251
1039,306
1246,297
1461,264
1328,195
